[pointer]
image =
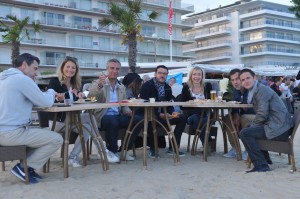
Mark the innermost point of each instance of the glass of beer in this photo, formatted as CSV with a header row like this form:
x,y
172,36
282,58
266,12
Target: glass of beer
x,y
213,95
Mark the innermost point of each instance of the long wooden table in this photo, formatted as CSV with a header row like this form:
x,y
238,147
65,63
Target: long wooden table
x,y
217,108
72,112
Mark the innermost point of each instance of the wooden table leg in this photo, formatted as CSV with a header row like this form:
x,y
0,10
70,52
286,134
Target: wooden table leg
x,y
66,144
207,132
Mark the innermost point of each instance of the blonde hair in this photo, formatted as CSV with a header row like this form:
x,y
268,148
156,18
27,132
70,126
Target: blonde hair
x,y
76,79
190,81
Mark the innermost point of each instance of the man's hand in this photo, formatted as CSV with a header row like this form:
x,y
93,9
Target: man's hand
x,y
163,116
175,114
60,97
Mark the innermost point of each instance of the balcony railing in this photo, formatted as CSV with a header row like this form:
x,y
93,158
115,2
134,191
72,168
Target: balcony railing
x,y
273,63
271,36
260,23
275,50
208,32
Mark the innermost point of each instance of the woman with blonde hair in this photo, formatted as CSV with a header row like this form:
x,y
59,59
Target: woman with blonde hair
x,y
195,88
69,83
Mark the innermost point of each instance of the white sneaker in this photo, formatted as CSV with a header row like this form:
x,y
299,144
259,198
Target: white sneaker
x,y
245,155
74,162
231,153
111,157
127,158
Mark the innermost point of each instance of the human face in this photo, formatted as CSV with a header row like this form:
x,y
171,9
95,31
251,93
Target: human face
x,y
235,81
113,70
69,69
247,80
196,76
30,70
161,75
172,81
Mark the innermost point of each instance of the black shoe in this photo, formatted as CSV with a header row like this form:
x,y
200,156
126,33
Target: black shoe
x,y
259,169
33,173
269,161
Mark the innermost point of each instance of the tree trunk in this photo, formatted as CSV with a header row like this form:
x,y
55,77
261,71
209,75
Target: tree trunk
x,y
132,51
15,52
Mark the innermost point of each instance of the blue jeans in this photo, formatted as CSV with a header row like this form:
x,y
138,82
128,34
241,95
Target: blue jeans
x,y
112,123
250,135
193,120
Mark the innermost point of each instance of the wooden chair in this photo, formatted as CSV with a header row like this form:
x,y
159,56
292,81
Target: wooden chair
x,y
286,147
213,133
9,153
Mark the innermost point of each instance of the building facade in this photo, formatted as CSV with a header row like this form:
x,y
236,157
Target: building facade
x,y
253,33
70,28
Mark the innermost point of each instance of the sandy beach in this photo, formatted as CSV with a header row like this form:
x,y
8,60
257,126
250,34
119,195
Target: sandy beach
x,y
220,177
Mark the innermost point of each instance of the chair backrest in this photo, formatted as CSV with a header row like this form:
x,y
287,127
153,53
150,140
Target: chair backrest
x,y
296,119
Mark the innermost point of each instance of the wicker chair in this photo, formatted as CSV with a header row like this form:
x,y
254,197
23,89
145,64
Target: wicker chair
x,y
9,153
286,147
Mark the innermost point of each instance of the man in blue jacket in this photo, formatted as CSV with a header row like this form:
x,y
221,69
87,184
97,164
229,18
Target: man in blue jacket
x,y
272,119
158,88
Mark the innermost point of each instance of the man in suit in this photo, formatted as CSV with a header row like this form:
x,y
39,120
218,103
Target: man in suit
x,y
272,119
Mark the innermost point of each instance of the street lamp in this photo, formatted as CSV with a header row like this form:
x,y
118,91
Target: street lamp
x,y
154,41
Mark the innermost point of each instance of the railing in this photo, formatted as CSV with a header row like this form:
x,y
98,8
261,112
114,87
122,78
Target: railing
x,y
265,22
206,32
273,63
225,54
272,36
276,50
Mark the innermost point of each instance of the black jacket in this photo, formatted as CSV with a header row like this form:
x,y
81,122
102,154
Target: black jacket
x,y
148,90
59,88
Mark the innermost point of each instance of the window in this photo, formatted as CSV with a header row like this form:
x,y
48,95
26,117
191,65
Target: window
x,y
104,43
4,10
255,48
148,30
289,36
54,58
27,13
54,19
270,21
82,41
255,35
81,22
279,35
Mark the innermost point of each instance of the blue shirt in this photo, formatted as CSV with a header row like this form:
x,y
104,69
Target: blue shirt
x,y
113,97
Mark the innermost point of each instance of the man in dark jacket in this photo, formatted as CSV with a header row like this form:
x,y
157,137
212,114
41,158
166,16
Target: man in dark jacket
x,y
158,88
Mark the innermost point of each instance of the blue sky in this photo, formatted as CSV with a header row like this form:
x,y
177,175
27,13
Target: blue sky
x,y
202,5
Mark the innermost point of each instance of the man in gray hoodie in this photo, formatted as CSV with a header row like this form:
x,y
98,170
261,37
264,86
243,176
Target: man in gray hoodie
x,y
19,94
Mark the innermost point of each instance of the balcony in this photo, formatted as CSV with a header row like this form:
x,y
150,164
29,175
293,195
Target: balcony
x,y
270,24
266,11
270,37
207,46
213,20
183,8
212,33
270,51
213,57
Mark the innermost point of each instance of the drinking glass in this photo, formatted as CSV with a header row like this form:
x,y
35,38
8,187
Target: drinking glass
x,y
220,95
213,95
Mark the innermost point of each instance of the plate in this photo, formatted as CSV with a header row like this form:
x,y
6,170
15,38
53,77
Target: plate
x,y
233,102
83,102
136,100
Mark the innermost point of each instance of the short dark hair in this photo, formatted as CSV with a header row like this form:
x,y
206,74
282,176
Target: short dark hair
x,y
161,66
114,61
298,76
247,70
233,71
28,58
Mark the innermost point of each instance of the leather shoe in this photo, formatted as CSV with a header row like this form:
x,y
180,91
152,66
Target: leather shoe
x,y
259,169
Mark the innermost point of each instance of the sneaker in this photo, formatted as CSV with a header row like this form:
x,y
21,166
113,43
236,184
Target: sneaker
x,y
244,155
170,152
127,158
151,154
19,173
33,173
111,157
231,153
74,162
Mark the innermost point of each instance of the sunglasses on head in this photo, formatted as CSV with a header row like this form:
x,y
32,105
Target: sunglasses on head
x,y
71,58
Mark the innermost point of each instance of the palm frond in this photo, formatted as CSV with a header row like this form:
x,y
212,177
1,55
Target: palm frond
x,y
153,15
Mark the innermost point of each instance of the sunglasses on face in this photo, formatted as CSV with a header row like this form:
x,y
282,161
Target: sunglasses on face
x,y
71,58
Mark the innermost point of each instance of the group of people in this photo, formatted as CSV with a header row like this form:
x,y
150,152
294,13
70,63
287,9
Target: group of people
x,y
269,118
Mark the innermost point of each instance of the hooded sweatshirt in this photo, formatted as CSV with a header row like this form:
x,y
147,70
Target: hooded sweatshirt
x,y
19,94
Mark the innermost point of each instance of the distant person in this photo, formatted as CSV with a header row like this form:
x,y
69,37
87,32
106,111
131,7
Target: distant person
x,y
133,90
146,78
224,83
297,81
172,81
130,77
20,94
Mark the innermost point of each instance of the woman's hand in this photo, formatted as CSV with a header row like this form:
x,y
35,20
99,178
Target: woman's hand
x,y
60,97
81,95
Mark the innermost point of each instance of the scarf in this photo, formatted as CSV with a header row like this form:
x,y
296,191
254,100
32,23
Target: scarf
x,y
160,88
251,92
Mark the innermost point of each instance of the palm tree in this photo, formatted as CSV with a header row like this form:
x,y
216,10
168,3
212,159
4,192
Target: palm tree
x,y
128,18
16,33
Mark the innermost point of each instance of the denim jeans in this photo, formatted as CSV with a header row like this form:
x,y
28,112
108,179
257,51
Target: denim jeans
x,y
112,123
194,120
250,135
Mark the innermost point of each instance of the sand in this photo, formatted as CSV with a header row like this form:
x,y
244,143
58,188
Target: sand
x,y
220,177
